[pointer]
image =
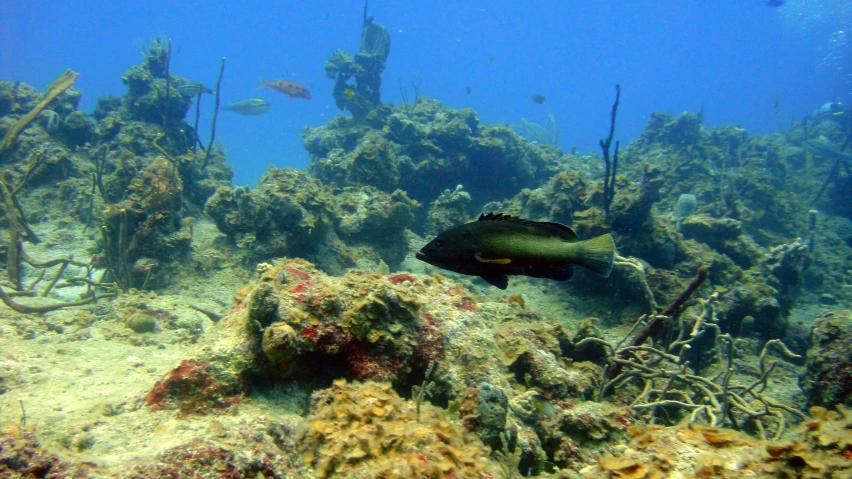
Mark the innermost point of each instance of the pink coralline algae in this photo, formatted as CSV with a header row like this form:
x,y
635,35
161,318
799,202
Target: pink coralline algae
x,y
191,389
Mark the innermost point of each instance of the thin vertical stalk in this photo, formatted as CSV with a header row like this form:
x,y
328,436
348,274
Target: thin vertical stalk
x,y
168,85
215,114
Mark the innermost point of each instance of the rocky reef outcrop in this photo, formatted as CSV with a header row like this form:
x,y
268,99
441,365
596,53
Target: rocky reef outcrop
x,y
291,214
424,149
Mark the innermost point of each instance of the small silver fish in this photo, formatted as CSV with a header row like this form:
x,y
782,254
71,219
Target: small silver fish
x,y
250,106
193,88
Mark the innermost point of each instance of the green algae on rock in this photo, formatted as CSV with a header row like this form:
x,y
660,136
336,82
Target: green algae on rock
x,y
141,323
827,381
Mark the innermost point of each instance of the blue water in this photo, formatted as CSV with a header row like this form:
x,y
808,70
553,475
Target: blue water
x,y
668,56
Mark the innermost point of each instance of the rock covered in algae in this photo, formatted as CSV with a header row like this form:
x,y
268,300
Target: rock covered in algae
x,y
371,215
365,325
724,235
367,430
141,323
448,210
292,214
77,129
827,380
295,323
147,99
21,455
193,387
411,147
367,68
534,356
209,459
279,343
491,411
767,291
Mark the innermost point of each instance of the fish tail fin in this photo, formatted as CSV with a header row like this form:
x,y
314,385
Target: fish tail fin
x,y
597,254
261,82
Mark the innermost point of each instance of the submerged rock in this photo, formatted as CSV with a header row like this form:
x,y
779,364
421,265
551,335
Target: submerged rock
x,y
77,129
827,381
141,323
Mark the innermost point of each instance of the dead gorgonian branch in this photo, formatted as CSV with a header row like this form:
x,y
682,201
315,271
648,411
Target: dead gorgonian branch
x,y
670,390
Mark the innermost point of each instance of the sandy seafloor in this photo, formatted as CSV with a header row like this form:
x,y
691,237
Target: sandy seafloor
x,y
80,372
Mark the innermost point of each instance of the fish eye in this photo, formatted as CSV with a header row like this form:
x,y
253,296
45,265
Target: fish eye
x,y
439,243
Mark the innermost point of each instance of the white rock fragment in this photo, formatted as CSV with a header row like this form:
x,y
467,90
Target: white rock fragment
x,y
134,361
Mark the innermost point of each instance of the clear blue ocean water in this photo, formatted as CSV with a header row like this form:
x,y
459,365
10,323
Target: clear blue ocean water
x,y
668,56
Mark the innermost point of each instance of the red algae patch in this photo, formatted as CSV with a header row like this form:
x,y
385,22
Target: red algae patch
x,y
191,388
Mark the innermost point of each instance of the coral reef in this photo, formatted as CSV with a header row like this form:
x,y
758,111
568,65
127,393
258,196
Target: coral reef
x,y
342,355
131,176
291,214
426,150
294,323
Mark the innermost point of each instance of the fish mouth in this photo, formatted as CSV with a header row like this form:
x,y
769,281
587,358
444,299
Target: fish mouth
x,y
420,256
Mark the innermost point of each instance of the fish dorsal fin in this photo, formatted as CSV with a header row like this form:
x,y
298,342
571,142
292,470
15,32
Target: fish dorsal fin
x,y
559,230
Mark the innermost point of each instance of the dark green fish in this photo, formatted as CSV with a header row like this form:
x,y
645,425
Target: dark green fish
x,y
251,106
498,245
193,88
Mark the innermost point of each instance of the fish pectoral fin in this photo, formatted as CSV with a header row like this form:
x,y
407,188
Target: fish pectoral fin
x,y
500,280
491,261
